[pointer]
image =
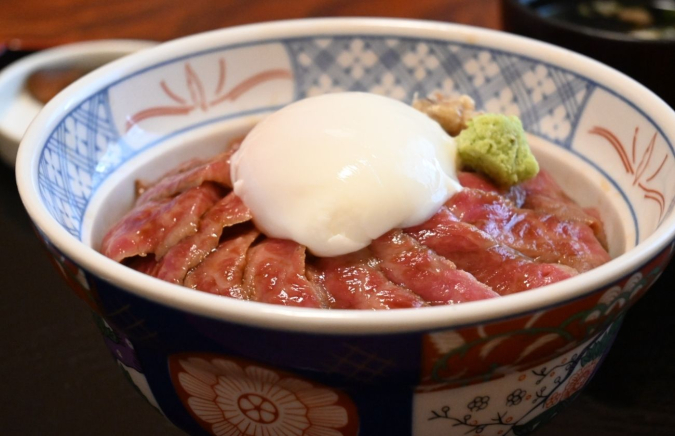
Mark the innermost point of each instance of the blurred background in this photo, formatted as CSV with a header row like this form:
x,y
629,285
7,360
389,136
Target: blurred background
x,y
57,376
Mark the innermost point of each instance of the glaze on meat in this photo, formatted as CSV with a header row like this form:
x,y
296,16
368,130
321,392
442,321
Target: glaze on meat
x,y
535,233
190,229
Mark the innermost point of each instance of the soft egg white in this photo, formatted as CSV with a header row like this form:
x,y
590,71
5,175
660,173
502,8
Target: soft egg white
x,y
336,171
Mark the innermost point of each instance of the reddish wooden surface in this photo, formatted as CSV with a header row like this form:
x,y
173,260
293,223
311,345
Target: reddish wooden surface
x,y
33,24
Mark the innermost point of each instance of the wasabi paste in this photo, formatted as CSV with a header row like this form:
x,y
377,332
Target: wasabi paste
x,y
495,145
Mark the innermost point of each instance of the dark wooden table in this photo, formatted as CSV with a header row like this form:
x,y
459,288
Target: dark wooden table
x,y
56,376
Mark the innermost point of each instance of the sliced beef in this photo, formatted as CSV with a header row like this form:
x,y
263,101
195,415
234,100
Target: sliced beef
x,y
487,241
502,268
434,278
146,264
222,271
437,280
143,185
190,251
354,281
216,169
156,226
275,273
476,181
544,194
541,236
515,194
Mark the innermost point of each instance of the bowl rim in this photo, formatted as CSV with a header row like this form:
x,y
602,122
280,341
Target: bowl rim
x,y
320,320
523,7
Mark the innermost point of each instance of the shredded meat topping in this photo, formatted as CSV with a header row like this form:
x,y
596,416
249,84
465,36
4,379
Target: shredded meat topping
x,y
452,113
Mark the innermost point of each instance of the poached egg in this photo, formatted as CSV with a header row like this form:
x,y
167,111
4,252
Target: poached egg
x,y
336,171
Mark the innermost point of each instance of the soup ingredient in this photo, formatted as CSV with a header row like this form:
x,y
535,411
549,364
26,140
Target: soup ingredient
x,y
336,171
496,146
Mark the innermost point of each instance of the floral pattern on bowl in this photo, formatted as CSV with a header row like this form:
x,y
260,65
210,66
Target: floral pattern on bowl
x,y
214,367
518,403
476,354
232,397
108,129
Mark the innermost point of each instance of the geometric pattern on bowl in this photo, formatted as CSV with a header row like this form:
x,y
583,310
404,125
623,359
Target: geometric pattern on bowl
x,y
89,143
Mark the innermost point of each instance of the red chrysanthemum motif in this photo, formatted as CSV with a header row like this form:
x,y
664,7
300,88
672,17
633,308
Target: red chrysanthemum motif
x,y
579,379
232,397
553,400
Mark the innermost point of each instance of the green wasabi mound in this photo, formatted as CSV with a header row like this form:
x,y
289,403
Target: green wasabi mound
x,y
495,145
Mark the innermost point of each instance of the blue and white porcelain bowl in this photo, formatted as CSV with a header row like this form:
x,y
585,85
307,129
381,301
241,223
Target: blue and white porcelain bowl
x,y
214,365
